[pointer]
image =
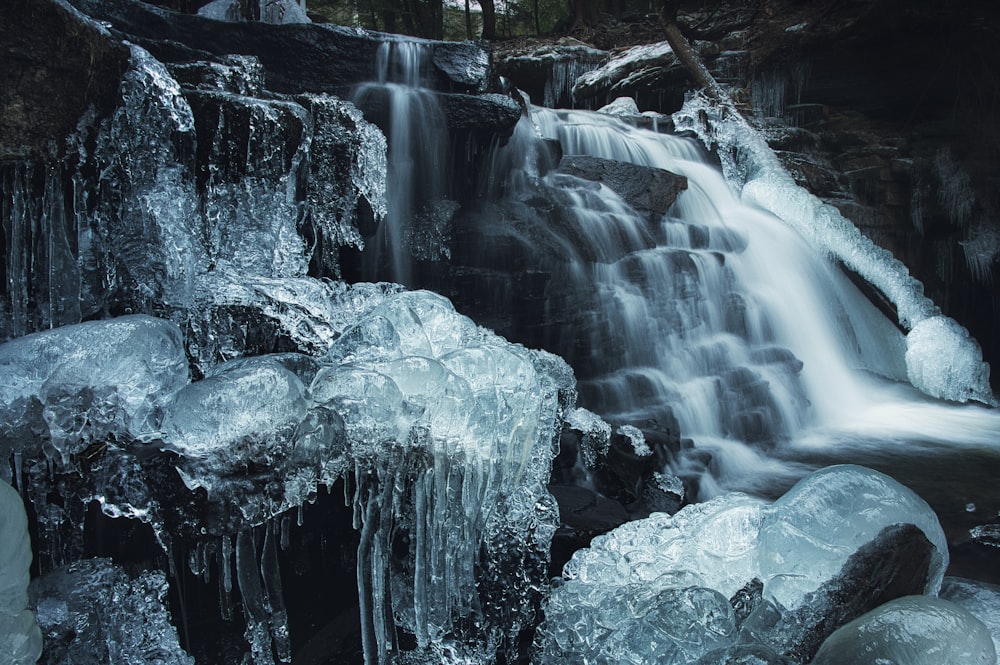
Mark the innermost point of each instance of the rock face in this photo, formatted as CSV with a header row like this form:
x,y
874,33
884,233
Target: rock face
x,y
41,104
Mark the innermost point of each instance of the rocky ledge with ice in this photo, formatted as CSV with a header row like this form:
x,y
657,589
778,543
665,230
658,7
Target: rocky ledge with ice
x,y
445,431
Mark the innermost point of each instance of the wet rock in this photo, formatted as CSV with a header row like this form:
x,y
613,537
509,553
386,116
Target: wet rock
x,y
55,64
645,189
296,57
895,563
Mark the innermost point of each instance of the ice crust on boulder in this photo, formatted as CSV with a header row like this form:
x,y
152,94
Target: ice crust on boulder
x,y
724,546
917,630
980,598
810,531
753,169
82,383
20,637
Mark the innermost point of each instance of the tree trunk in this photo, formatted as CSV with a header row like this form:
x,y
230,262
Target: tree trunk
x,y
489,19
682,49
468,21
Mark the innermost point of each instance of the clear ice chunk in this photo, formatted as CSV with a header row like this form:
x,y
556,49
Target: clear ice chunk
x,y
917,630
980,598
92,612
239,414
808,533
91,380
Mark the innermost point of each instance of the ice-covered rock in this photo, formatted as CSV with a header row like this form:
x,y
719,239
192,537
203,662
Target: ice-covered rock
x,y
92,612
917,630
623,106
240,415
943,361
613,594
808,534
980,598
820,551
80,384
20,637
461,422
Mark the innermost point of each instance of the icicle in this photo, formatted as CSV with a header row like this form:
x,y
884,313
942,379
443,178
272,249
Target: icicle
x,y
286,527
19,473
248,576
271,574
369,642
300,519
225,564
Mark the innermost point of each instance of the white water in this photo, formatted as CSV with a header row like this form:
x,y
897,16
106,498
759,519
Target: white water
x,y
668,334
417,132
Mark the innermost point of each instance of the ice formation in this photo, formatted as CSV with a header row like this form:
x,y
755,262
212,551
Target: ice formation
x,y
917,630
20,637
944,361
445,431
754,170
268,11
92,612
808,533
980,598
611,601
81,384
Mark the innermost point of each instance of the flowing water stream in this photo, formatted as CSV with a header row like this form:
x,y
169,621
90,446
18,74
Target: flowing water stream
x,y
717,316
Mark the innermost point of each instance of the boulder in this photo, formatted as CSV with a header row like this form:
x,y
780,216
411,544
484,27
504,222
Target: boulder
x,y
644,188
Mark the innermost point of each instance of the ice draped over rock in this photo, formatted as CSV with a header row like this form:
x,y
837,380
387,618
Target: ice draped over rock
x,y
200,220
446,432
675,589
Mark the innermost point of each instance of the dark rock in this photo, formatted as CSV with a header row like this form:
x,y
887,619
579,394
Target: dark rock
x,y
54,65
490,113
547,72
296,57
895,563
644,188
583,514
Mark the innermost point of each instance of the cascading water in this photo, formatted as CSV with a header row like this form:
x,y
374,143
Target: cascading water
x,y
718,314
415,125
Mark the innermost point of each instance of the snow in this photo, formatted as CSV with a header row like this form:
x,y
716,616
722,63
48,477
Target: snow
x,y
917,630
20,637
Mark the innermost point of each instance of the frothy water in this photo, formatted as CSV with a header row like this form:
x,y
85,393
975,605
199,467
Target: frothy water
x,y
724,317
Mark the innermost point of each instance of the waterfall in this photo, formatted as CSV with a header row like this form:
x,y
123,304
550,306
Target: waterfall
x,y
718,314
415,125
